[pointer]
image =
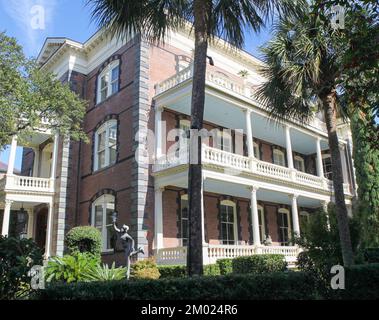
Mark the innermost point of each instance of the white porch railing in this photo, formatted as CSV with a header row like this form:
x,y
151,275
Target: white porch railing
x,y
212,253
26,184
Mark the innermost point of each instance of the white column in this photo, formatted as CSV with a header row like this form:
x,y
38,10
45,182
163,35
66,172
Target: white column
x,y
289,147
158,218
37,155
12,156
30,223
55,157
295,215
49,231
6,218
203,212
158,132
320,168
249,134
344,164
254,217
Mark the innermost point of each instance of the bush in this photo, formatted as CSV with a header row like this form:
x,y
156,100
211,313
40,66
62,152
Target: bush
x,y
279,286
103,273
17,257
225,265
264,263
84,239
145,269
212,270
371,255
70,268
174,271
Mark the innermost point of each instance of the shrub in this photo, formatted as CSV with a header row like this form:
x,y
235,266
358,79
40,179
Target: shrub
x,y
145,269
84,239
371,255
17,257
279,286
174,271
225,266
103,273
212,270
264,263
70,268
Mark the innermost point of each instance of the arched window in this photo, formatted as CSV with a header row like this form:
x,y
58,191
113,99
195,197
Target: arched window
x,y
279,158
102,210
284,226
105,145
298,163
184,226
262,223
108,81
228,222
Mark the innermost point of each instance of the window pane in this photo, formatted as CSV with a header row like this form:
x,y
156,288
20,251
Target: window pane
x,y
104,82
113,135
101,141
101,159
115,73
231,232
98,216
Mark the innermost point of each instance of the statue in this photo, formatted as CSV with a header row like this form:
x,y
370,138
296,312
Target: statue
x,y
127,244
268,241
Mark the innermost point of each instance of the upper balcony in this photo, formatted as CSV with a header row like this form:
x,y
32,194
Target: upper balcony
x,y
216,79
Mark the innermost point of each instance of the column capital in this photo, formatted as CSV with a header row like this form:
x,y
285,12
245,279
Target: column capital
x,y
253,189
159,108
294,196
248,111
159,189
8,202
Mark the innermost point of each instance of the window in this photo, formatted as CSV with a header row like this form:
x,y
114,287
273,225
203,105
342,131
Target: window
x,y
224,140
284,226
304,219
257,153
102,210
108,81
327,165
278,158
184,126
298,162
106,145
184,226
262,227
228,222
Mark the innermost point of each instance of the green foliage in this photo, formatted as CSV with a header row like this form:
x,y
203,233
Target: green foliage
x,y
173,271
29,95
70,268
84,239
17,257
371,255
273,286
366,156
225,265
145,269
212,270
260,264
102,272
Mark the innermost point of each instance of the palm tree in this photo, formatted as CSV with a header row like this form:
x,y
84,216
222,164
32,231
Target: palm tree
x,y
303,73
227,19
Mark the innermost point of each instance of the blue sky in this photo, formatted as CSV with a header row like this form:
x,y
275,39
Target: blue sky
x,y
62,18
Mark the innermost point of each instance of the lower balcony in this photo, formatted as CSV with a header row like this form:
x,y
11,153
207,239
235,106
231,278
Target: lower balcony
x,y
212,253
26,185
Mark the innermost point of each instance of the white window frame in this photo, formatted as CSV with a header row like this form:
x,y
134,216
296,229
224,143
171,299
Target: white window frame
x,y
221,137
107,72
232,204
262,226
279,153
103,201
183,198
301,160
105,128
257,152
286,211
325,156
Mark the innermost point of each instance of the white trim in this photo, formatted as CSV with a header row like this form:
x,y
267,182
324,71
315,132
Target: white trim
x,y
229,203
107,72
261,213
105,128
286,211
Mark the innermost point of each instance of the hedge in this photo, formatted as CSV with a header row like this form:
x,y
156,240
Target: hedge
x,y
259,264
84,239
180,271
280,286
225,265
371,255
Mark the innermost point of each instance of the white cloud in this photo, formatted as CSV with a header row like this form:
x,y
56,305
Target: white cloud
x,y
33,18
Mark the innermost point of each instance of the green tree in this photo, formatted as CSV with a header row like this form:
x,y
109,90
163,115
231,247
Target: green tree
x,y
227,19
29,96
303,73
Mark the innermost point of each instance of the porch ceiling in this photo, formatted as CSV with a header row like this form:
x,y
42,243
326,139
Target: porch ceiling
x,y
225,114
238,190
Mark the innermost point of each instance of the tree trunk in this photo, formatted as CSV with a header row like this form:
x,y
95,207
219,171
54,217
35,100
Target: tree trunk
x,y
329,104
195,178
